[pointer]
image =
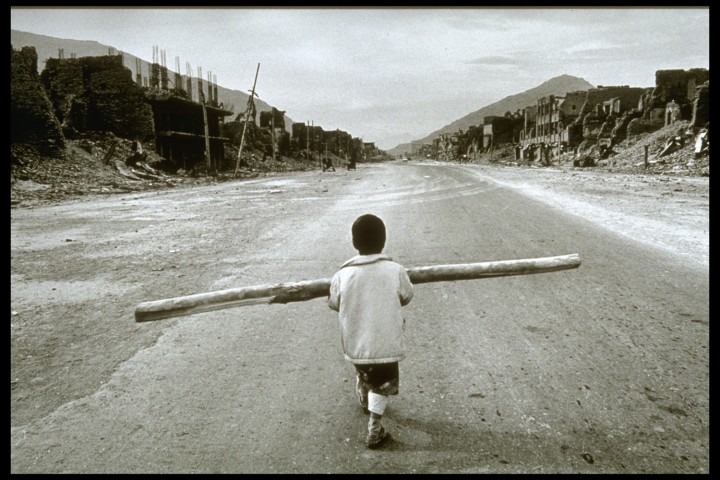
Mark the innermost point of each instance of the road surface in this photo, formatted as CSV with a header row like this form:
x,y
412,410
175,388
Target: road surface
x,y
600,369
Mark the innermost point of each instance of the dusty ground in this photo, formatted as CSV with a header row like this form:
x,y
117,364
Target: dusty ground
x,y
677,205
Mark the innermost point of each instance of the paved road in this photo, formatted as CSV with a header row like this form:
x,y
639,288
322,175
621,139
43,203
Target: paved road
x,y
602,369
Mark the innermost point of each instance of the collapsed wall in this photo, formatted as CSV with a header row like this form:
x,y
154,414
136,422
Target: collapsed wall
x,y
33,121
603,106
701,106
677,86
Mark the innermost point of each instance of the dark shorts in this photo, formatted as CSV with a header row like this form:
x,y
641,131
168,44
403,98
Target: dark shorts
x,y
380,378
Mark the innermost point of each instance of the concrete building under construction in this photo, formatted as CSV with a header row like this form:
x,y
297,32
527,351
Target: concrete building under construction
x,y
185,129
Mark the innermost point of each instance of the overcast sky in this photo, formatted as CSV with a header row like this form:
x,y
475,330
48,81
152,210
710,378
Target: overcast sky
x,y
390,75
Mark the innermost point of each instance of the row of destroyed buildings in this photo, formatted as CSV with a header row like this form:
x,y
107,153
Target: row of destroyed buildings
x,y
71,96
602,116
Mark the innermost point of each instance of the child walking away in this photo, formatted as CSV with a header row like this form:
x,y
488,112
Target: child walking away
x,y
369,292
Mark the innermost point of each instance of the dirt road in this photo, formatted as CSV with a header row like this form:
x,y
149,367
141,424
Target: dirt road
x,y
602,370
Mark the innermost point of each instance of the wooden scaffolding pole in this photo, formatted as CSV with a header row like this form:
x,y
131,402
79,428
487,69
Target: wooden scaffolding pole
x,y
247,114
208,157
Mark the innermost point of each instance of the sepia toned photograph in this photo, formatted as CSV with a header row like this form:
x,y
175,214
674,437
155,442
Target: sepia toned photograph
x,y
359,240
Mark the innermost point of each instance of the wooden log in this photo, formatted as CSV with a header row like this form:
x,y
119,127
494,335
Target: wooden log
x,y
309,289
125,171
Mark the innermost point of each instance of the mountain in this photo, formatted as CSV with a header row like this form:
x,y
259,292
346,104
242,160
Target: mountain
x,y
49,47
557,86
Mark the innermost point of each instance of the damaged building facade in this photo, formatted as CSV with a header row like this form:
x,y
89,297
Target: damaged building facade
x,y
33,122
174,115
606,113
308,138
187,133
677,95
99,94
317,141
562,123
547,121
465,145
500,130
603,116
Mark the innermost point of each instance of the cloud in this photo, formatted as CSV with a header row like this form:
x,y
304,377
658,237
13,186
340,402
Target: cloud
x,y
493,60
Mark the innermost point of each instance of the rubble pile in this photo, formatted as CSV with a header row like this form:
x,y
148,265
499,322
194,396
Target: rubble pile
x,y
671,150
677,149
102,163
89,166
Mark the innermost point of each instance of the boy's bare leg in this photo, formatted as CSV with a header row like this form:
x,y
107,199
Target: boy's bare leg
x,y
362,394
376,433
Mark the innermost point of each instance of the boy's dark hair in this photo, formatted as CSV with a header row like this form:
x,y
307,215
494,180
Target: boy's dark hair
x,y
368,233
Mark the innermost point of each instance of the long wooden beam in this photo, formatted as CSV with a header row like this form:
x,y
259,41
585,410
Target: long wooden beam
x,y
309,289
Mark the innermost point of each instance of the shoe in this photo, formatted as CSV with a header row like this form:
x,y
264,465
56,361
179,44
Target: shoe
x,y
376,438
362,396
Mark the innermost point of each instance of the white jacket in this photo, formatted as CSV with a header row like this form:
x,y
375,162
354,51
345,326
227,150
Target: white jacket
x,y
369,292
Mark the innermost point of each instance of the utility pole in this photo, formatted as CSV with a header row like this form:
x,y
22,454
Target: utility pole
x,y
307,140
250,107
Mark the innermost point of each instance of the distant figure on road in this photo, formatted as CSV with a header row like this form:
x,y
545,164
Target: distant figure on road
x,y
328,165
369,292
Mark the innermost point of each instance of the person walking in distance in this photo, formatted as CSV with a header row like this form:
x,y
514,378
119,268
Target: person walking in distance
x,y
368,292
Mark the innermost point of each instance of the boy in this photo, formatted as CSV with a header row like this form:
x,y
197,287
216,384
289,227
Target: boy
x,y
368,292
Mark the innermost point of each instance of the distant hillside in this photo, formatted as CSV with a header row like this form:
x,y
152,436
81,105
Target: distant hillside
x,y
49,47
555,86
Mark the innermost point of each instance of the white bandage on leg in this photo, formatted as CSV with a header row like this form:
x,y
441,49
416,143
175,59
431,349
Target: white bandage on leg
x,y
377,403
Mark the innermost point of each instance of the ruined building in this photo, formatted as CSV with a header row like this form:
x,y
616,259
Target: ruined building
x,y
529,114
299,139
473,141
33,122
317,138
272,119
370,150
599,116
701,106
97,94
607,111
73,96
356,154
187,133
499,130
557,124
553,114
672,99
186,130
564,122
338,142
